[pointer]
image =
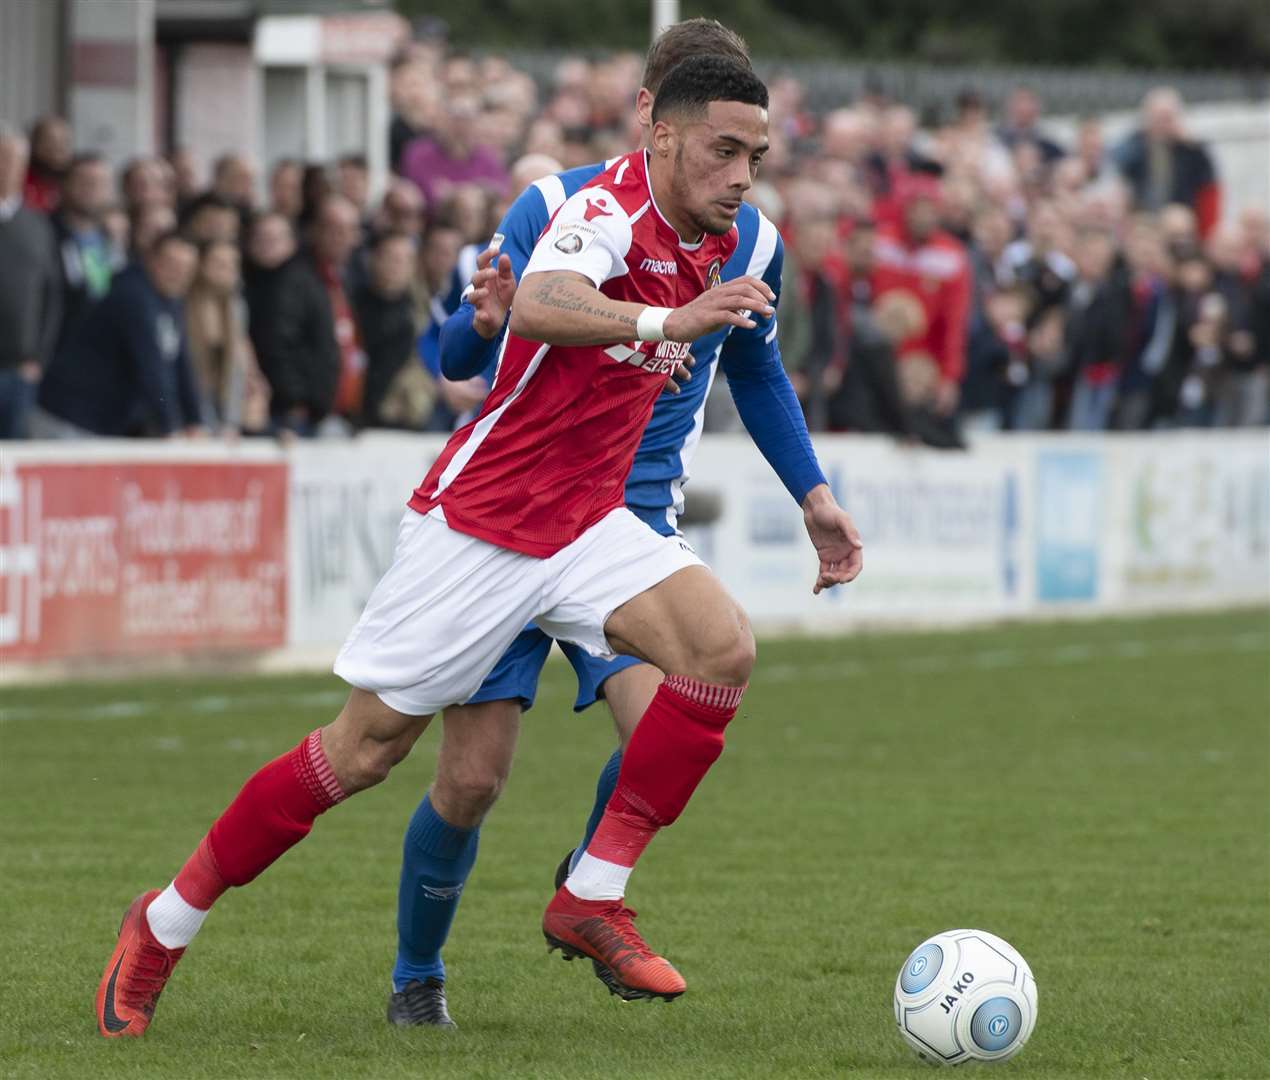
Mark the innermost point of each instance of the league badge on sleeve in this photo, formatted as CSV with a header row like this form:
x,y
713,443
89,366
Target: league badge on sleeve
x,y
573,237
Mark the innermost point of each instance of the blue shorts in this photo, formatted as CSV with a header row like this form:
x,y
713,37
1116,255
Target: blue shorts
x,y
516,673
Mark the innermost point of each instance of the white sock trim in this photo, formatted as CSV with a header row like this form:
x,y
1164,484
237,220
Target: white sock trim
x,y
173,921
595,879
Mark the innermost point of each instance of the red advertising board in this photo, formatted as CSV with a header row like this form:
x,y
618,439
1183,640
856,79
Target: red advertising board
x,y
126,558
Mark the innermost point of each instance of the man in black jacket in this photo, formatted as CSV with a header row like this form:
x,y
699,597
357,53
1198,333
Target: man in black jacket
x,y
385,316
126,369
292,328
1162,166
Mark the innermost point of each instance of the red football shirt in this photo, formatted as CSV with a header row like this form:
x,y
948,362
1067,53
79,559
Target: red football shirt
x,y
548,454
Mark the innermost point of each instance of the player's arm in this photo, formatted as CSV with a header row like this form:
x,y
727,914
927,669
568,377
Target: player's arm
x,y
470,338
559,300
769,408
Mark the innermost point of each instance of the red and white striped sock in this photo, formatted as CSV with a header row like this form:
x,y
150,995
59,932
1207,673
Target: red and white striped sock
x,y
675,743
274,811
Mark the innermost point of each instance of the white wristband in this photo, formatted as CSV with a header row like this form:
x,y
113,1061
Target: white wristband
x,y
650,326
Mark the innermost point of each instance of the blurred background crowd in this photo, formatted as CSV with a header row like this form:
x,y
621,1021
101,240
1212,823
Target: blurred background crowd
x,y
971,271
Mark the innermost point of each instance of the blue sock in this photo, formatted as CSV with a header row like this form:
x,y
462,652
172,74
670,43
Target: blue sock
x,y
603,792
436,861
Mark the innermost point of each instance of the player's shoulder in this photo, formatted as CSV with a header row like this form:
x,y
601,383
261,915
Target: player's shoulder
x,y
551,192
622,186
758,243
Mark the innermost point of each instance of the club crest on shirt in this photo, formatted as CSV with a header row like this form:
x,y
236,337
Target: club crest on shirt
x,y
573,237
715,274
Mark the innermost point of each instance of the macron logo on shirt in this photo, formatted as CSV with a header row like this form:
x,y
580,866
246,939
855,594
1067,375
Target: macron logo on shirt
x,y
660,266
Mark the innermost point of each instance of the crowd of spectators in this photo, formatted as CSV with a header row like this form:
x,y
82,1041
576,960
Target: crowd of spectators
x,y
972,273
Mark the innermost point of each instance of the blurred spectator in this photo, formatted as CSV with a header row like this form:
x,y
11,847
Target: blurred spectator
x,y
1021,126
315,186
144,183
30,292
211,217
51,148
1163,166
118,230
812,311
415,98
185,177
868,398
126,369
436,292
234,181
235,394
147,224
1182,391
451,156
301,323
401,209
992,333
1096,331
286,196
353,182
917,256
270,246
467,208
87,256
397,391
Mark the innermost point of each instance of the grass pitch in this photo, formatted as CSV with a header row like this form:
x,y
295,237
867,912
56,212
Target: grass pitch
x,y
1096,793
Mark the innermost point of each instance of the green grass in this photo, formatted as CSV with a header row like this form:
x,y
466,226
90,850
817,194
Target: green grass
x,y
1097,793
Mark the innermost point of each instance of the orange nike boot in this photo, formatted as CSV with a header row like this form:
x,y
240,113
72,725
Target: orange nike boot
x,y
603,930
135,976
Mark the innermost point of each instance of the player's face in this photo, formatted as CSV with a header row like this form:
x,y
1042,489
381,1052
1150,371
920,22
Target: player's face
x,y
715,161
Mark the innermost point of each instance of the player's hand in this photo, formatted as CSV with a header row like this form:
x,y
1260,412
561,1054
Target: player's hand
x,y
681,374
730,304
835,538
493,288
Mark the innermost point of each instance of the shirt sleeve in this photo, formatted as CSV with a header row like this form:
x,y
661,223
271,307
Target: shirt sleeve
x,y
590,235
765,400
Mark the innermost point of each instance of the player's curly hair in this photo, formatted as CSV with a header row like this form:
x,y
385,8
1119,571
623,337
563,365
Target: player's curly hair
x,y
692,37
691,85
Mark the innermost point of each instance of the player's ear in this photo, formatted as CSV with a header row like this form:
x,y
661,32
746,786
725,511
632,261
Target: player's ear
x,y
663,139
644,107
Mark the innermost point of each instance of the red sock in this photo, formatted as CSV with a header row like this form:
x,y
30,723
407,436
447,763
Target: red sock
x,y
673,747
274,810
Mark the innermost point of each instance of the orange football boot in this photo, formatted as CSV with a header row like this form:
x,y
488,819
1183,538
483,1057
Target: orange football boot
x,y
135,975
603,930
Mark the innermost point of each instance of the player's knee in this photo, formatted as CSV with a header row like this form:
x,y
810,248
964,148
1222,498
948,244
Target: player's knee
x,y
374,759
469,793
727,656
736,661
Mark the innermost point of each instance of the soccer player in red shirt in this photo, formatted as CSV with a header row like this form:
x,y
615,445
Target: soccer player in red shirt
x,y
523,517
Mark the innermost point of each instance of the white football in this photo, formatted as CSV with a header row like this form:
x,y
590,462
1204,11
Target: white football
x,y
965,995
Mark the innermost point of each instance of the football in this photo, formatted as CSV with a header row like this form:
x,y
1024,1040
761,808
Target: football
x,y
965,995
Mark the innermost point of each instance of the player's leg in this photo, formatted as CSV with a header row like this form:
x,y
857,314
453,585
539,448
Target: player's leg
x,y
623,586
433,628
272,812
626,685
689,626
442,839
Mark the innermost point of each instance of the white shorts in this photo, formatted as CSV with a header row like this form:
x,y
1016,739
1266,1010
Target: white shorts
x,y
450,604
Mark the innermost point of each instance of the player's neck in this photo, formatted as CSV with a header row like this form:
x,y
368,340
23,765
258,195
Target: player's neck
x,y
659,177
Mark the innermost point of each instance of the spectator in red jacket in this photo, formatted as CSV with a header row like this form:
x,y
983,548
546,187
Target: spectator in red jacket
x,y
914,254
51,150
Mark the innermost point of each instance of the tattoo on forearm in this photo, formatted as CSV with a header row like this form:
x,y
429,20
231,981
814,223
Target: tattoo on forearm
x,y
568,296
